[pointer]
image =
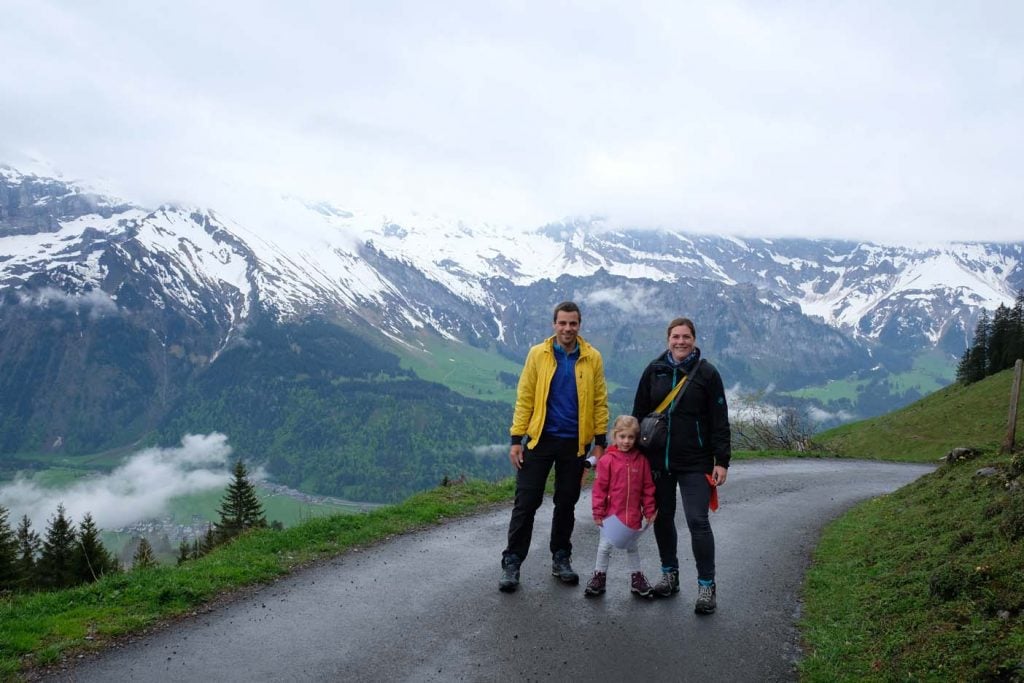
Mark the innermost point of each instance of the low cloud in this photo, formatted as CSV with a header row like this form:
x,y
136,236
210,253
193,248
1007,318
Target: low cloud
x,y
821,416
493,450
95,303
139,489
626,299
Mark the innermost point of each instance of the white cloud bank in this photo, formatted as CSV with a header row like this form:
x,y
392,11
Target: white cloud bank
x,y
139,489
892,121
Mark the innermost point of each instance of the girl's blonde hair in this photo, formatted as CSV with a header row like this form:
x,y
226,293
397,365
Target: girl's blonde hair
x,y
625,423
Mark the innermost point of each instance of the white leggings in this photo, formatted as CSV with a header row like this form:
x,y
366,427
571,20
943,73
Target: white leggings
x,y
604,553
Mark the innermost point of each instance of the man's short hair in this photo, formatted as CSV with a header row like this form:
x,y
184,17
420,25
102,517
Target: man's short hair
x,y
568,307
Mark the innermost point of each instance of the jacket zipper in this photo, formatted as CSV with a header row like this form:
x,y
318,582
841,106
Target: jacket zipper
x,y
700,441
668,425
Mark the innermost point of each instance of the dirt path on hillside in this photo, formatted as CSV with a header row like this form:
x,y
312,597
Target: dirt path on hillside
x,y
425,607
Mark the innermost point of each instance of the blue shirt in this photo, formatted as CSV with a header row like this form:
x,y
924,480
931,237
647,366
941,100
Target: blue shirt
x,y
563,411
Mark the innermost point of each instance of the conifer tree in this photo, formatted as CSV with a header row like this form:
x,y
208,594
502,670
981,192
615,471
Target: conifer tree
x,y
143,557
209,541
29,547
183,552
8,553
1000,340
240,509
978,355
197,552
91,558
55,568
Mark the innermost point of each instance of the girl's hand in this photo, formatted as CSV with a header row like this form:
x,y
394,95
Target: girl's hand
x,y
654,516
599,521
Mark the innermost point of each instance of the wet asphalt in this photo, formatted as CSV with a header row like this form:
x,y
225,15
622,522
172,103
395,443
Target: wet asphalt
x,y
425,606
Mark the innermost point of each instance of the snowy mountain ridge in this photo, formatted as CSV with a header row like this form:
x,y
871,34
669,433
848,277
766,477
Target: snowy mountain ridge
x,y
301,258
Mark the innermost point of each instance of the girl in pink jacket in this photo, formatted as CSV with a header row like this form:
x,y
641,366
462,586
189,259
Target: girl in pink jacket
x,y
623,488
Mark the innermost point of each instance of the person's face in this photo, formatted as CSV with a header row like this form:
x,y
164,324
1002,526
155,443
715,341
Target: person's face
x,y
680,342
567,328
624,439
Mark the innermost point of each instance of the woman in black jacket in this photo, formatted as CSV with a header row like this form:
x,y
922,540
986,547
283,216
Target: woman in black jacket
x,y
695,457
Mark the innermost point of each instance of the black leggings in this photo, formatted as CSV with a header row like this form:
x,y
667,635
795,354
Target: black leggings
x,y
696,495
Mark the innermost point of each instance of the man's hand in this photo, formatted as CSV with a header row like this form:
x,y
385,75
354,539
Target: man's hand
x,y
515,455
719,474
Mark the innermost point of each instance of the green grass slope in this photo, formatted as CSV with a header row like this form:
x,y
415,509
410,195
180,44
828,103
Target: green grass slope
x,y
925,584
974,416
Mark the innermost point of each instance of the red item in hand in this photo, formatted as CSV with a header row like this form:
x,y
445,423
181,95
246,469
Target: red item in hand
x,y
713,504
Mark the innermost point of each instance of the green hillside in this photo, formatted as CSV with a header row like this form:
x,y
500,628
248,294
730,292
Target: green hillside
x,y
926,583
973,416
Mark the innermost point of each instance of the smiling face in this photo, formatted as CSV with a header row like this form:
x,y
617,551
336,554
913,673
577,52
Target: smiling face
x,y
567,328
680,342
624,439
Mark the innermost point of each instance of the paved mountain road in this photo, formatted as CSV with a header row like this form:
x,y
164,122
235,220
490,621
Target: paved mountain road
x,y
425,607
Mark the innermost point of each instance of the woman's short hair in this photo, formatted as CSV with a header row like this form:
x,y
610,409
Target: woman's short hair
x,y
681,321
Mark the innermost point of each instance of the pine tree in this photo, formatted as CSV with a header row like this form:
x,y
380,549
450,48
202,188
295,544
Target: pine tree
x,y
8,554
143,557
209,541
977,362
240,509
91,558
1000,340
197,552
1016,347
963,368
183,552
29,547
55,568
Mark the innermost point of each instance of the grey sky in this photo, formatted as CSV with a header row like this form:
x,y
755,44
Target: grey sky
x,y
884,120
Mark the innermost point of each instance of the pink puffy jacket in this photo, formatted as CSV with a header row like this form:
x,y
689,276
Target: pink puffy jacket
x,y
623,487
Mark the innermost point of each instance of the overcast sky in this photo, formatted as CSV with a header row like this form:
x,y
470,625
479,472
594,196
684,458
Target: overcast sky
x,y
884,120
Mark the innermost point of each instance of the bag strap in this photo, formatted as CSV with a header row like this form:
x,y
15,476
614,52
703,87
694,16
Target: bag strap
x,y
671,395
676,389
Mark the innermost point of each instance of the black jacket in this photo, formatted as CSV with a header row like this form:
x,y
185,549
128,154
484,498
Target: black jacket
x,y
698,431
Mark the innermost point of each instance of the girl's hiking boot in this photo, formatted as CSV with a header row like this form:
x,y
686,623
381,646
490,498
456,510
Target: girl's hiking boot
x,y
668,585
706,601
596,584
638,584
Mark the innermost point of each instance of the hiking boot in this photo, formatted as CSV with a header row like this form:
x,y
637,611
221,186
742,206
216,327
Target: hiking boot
x,y
706,601
561,568
596,584
509,581
668,584
638,584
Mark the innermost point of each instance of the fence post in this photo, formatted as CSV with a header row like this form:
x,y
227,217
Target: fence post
x,y
1011,427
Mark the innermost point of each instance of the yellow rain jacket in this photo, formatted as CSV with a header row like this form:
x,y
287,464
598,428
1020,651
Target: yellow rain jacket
x,y
535,381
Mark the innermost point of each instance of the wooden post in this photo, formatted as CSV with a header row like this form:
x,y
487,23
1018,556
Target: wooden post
x,y
1011,427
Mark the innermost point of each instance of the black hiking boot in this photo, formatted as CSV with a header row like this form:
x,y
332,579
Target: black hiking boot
x,y
509,581
668,584
706,599
561,568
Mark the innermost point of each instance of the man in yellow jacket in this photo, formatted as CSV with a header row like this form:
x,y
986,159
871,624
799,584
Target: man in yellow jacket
x,y
561,407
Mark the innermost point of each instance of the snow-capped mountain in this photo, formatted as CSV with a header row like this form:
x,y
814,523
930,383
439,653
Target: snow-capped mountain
x,y
186,284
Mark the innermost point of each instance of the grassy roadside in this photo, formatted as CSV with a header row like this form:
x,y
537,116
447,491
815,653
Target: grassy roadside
x,y
38,629
925,584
